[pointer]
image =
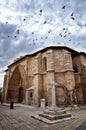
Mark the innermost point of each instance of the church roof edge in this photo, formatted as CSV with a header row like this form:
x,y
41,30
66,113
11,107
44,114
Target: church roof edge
x,y
45,49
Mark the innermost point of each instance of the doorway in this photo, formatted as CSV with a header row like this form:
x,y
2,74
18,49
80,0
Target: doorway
x,y
30,97
20,96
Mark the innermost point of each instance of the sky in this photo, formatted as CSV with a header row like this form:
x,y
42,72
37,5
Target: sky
x,y
30,25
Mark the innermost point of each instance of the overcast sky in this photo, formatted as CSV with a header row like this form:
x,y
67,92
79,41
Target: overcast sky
x,y
29,25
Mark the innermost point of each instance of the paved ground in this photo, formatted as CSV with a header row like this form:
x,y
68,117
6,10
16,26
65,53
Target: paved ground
x,y
20,118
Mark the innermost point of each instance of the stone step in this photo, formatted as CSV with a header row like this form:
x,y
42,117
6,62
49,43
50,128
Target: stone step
x,y
52,112
55,117
45,120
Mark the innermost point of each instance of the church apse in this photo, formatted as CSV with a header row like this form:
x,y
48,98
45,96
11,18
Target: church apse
x,y
16,85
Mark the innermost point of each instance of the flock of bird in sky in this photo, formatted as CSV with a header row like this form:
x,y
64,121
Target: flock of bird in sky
x,y
63,34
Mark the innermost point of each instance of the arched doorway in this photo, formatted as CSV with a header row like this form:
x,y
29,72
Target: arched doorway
x,y
18,78
20,95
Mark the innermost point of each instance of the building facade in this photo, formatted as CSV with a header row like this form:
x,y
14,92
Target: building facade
x,y
27,78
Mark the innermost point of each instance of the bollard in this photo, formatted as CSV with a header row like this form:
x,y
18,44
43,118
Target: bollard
x,y
42,103
1,101
11,105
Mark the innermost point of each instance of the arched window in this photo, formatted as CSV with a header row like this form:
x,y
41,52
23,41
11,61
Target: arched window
x,y
75,68
45,64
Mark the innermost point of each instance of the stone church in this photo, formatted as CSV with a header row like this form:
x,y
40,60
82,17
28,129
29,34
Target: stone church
x,y
27,78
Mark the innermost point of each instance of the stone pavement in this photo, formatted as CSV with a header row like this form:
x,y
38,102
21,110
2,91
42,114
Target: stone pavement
x,y
20,118
82,126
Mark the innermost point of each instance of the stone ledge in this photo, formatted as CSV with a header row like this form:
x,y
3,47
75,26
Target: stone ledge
x,y
55,117
54,112
50,121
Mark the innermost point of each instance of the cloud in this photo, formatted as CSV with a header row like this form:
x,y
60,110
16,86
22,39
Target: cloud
x,y
29,25
83,32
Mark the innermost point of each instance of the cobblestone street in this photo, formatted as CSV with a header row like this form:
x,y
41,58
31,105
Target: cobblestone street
x,y
20,118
